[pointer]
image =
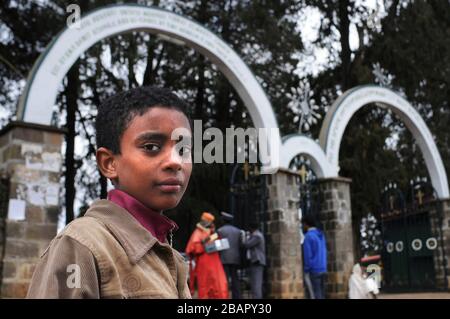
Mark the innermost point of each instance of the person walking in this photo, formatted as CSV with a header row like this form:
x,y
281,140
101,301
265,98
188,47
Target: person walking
x,y
231,257
315,258
256,249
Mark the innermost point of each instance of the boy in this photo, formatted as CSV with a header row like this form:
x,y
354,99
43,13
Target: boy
x,y
119,249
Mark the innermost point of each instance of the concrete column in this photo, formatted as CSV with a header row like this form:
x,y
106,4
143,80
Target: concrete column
x,y
30,160
336,218
285,279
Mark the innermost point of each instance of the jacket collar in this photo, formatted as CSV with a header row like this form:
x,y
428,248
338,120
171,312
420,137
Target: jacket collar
x,y
132,236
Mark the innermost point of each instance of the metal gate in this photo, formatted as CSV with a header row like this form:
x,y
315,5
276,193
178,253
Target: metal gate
x,y
411,231
310,195
248,204
248,196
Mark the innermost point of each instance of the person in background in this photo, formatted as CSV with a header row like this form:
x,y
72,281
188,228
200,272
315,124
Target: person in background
x,y
360,287
231,257
256,249
315,258
208,273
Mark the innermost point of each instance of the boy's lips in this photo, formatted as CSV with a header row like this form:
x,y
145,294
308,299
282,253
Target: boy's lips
x,y
170,185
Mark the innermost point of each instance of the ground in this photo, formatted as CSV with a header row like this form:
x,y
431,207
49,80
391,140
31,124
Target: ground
x,y
422,295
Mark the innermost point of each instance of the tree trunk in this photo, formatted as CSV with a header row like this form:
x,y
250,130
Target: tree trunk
x,y
344,30
71,107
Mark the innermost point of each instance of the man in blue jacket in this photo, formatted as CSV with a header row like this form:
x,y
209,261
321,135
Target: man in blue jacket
x,y
315,258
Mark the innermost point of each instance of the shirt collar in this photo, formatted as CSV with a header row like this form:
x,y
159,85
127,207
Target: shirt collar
x,y
157,224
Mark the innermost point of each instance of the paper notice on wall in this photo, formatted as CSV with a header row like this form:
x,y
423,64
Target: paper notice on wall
x,y
51,194
51,162
16,209
32,154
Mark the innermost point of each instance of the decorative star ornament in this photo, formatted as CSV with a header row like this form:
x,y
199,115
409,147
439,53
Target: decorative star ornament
x,y
302,104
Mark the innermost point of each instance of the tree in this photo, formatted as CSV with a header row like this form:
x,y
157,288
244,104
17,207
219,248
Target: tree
x,y
409,44
264,34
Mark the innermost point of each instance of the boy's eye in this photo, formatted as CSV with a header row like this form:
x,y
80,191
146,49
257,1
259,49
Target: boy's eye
x,y
152,147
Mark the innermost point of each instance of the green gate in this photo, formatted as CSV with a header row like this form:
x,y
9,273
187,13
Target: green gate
x,y
411,238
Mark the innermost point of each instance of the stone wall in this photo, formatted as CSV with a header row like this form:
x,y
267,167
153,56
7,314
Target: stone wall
x,y
285,270
30,158
336,218
442,256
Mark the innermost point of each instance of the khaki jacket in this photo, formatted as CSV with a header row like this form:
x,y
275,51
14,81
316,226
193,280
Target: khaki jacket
x,y
108,254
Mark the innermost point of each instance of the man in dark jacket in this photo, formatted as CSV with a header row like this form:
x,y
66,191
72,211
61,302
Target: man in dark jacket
x,y
256,250
315,258
231,257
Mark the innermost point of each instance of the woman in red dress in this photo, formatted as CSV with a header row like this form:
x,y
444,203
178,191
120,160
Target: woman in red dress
x,y
208,272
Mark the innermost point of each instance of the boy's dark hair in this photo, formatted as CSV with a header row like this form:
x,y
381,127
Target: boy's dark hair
x,y
115,114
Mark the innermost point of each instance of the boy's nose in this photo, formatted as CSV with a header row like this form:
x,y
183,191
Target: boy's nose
x,y
173,160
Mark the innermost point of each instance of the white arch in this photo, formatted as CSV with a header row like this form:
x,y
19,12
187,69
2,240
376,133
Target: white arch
x,y
38,99
351,101
297,144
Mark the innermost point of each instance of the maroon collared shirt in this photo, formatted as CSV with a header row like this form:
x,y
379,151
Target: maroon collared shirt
x,y
157,224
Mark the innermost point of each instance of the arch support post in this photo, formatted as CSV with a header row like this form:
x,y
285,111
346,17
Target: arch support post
x,y
30,166
440,229
336,219
284,268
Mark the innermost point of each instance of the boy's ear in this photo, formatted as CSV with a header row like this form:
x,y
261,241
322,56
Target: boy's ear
x,y
106,162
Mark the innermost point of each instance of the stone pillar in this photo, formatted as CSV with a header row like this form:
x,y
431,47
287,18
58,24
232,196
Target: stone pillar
x,y
284,271
30,160
336,218
442,255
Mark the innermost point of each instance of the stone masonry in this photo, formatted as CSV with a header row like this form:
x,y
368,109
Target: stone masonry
x,y
284,272
440,228
30,160
336,218
285,264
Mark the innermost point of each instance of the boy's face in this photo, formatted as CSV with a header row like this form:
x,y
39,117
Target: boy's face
x,y
148,167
